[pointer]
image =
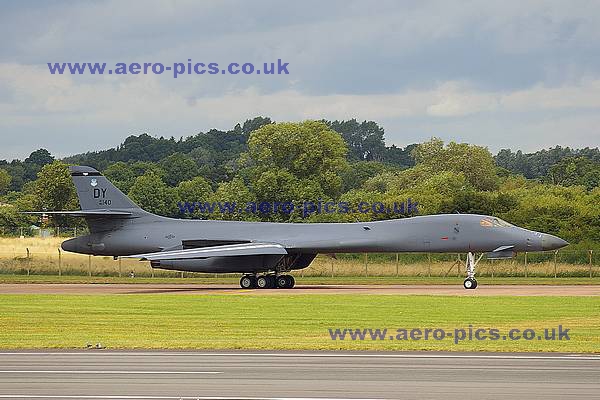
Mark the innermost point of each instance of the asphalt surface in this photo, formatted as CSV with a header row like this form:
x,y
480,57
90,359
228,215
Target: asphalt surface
x,y
99,374
448,290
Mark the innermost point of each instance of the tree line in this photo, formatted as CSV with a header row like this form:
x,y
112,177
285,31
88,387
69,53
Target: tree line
x,y
554,191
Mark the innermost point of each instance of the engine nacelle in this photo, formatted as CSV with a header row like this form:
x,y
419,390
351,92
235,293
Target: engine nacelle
x,y
240,264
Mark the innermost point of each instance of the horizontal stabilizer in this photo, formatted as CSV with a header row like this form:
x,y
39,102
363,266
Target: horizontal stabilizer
x,y
84,213
246,249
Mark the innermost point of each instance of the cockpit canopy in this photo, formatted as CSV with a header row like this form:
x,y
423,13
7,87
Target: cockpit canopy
x,y
489,222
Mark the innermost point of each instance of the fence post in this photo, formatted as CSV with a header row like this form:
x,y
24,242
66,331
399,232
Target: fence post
x,y
397,262
59,263
332,267
525,264
182,274
28,261
591,252
429,265
458,264
555,261
366,267
90,265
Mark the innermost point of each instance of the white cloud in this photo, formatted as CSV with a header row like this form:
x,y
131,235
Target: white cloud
x,y
421,68
146,103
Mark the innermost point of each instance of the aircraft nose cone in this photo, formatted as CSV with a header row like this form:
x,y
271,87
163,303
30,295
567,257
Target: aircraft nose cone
x,y
551,242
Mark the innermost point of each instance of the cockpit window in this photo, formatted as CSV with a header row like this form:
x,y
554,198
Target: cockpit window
x,y
502,223
494,222
486,222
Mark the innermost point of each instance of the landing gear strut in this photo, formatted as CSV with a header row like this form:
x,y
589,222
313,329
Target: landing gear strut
x,y
471,282
269,281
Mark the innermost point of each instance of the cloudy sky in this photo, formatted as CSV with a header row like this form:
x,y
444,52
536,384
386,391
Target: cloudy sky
x,y
520,74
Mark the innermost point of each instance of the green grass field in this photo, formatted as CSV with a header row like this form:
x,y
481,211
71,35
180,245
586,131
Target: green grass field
x,y
306,280
287,322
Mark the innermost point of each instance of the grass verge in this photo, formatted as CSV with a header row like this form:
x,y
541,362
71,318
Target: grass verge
x,y
288,322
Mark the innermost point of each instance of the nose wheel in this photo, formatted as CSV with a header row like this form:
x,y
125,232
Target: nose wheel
x,y
471,282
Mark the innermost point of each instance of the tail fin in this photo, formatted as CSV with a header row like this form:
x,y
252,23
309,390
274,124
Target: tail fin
x,y
95,192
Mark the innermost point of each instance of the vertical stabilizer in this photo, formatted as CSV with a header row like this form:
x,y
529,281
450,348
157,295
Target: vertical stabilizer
x,y
95,192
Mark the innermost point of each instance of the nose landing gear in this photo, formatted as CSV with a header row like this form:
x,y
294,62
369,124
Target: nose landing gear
x,y
471,282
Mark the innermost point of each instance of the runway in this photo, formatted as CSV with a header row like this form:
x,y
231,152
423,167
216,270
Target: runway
x,y
310,375
448,290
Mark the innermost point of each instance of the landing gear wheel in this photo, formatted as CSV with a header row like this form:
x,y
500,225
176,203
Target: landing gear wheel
x,y
282,282
470,283
247,282
285,281
263,282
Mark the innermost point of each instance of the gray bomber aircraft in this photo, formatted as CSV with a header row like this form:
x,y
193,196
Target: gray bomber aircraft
x,y
265,252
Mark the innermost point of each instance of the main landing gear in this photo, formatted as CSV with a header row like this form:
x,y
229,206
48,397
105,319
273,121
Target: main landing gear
x,y
471,282
269,281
